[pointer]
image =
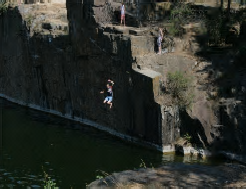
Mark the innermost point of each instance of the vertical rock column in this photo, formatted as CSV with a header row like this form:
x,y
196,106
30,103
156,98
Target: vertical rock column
x,y
170,124
155,123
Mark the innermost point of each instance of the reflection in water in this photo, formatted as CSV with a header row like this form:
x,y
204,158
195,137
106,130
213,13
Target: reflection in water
x,y
70,153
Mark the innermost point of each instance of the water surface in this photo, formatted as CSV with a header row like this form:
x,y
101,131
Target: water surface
x,y
72,154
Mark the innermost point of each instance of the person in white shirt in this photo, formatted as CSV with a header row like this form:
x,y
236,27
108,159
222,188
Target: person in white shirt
x,y
159,40
122,11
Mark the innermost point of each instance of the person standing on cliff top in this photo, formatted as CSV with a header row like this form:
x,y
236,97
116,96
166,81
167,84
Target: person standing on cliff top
x,y
159,44
160,33
159,40
109,97
122,11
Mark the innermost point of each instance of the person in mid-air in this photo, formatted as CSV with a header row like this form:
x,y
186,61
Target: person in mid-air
x,y
109,97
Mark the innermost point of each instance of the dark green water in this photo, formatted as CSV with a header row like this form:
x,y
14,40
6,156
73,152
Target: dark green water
x,y
70,153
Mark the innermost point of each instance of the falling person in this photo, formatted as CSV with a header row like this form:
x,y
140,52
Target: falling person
x,y
109,98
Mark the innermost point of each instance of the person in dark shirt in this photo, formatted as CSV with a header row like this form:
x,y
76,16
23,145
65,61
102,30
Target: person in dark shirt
x,y
109,97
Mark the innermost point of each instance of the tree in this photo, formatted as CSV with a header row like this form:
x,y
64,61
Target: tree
x,y
3,7
184,13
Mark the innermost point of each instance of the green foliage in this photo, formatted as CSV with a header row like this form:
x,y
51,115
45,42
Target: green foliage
x,y
220,24
48,183
99,177
3,7
183,13
180,10
142,164
180,87
217,29
101,174
29,20
187,137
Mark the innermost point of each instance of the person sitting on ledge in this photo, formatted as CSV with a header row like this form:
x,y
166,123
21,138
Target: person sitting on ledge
x,y
109,97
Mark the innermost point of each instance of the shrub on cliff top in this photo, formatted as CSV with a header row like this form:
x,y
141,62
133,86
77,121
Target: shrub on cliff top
x,y
183,13
3,7
179,85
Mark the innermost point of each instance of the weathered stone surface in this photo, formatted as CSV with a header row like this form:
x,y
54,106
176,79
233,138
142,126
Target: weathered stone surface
x,y
142,45
139,32
176,176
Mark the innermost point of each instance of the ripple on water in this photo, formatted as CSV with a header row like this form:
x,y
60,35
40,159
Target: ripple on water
x,y
5,174
21,182
35,186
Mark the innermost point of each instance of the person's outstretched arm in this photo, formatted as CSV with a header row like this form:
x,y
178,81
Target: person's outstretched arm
x,y
111,81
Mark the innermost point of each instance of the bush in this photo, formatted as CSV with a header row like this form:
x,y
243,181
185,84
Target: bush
x,y
187,137
3,7
183,13
179,85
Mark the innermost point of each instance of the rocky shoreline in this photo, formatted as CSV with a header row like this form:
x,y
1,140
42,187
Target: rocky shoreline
x,y
178,175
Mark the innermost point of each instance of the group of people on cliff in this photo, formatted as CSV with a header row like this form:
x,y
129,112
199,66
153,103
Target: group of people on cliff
x,y
160,31
109,97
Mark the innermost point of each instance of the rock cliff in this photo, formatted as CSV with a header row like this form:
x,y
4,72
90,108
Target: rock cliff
x,y
57,58
60,66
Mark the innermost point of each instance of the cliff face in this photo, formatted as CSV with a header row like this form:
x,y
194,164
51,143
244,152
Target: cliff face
x,y
58,65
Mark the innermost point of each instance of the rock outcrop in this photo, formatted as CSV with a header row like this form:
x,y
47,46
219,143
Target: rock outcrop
x,y
176,176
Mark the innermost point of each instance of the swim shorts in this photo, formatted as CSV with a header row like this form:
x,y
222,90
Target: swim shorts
x,y
109,98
